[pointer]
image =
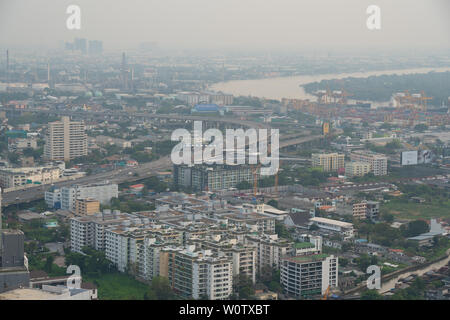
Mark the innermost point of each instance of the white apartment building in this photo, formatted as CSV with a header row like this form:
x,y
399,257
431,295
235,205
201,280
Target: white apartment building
x,y
212,277
102,192
328,161
244,256
344,228
305,276
270,249
197,273
193,98
65,140
357,168
378,162
53,198
150,258
244,261
121,248
90,230
16,177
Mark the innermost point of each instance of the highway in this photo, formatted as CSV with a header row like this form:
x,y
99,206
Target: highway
x,y
116,176
129,174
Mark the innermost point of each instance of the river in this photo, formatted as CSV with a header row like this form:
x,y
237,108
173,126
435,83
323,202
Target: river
x,y
290,87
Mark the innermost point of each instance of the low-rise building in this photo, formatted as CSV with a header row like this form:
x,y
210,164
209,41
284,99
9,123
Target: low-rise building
x,y
343,228
16,177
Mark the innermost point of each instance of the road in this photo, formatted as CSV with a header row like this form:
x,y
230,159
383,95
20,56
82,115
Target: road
x,y
116,176
144,170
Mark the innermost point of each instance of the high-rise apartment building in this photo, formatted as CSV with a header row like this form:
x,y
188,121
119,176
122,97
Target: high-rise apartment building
x,y
65,140
328,161
270,250
197,273
378,162
357,169
103,192
213,177
304,276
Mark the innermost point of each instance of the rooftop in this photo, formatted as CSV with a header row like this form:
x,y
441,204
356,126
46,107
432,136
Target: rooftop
x,y
309,258
331,221
303,245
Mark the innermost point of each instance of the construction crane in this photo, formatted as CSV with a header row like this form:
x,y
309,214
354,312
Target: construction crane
x,y
327,293
255,178
423,100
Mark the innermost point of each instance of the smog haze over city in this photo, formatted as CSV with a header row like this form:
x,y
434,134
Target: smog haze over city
x,y
234,24
260,154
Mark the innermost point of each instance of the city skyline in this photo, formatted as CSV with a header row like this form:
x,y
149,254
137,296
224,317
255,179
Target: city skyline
x,y
199,24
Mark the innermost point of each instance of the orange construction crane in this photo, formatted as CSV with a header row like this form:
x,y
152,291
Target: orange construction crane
x,y
325,296
276,180
423,100
255,179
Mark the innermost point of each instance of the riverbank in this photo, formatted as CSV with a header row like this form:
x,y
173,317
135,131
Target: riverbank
x,y
291,87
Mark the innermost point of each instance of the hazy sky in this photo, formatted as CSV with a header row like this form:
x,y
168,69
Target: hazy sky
x,y
229,23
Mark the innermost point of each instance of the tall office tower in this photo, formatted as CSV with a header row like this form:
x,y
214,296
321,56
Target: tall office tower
x,y
124,72
13,265
65,140
95,47
80,44
7,66
48,73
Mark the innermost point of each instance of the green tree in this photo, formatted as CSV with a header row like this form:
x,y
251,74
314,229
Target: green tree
x,y
371,295
161,287
48,264
273,203
414,228
243,285
243,185
388,217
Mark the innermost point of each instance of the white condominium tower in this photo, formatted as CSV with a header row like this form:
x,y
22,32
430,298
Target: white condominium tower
x,y
65,140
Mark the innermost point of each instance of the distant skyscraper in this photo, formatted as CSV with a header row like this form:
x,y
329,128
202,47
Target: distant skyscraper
x,y
124,72
7,66
48,72
95,47
80,44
